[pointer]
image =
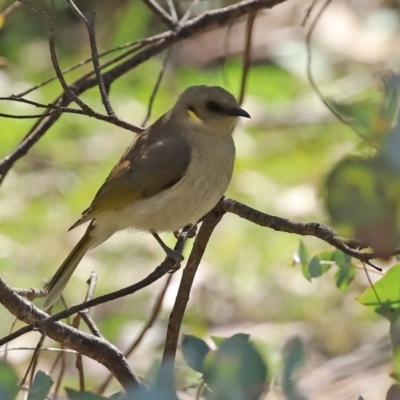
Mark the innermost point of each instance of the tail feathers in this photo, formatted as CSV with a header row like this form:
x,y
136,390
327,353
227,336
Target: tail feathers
x,y
67,268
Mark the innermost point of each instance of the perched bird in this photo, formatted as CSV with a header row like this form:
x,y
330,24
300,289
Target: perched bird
x,y
172,174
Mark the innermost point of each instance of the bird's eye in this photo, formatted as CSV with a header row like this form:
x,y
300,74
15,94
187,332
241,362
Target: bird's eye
x,y
214,107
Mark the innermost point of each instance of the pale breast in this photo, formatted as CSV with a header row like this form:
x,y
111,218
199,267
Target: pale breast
x,y
203,185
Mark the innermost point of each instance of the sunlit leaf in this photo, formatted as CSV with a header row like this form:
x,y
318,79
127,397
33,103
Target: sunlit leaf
x,y
384,297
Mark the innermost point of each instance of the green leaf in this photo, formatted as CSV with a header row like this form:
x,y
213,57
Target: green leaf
x,y
194,351
303,254
8,382
315,267
236,371
346,270
362,196
40,386
294,350
358,114
384,297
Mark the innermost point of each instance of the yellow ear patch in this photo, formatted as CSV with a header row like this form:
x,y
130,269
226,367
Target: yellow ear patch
x,y
192,115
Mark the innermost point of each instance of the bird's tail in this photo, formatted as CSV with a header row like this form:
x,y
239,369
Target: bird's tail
x,y
64,273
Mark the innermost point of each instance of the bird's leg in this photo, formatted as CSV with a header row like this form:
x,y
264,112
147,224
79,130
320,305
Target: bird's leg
x,y
176,256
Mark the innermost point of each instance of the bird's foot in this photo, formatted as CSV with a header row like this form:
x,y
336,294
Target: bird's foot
x,y
191,230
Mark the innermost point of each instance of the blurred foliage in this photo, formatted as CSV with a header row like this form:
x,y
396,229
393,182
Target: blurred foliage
x,y
234,371
245,279
40,386
8,381
363,193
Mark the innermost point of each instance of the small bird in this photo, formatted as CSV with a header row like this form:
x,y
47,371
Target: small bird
x,y
172,174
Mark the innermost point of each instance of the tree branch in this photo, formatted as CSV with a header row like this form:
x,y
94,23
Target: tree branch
x,y
175,321
315,229
96,348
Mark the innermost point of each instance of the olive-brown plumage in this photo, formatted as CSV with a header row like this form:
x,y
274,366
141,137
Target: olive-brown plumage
x,y
172,174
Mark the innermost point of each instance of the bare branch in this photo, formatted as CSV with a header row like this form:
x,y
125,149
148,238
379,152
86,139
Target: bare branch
x,y
149,323
33,363
315,229
166,266
247,54
158,10
68,92
30,293
175,321
95,57
157,86
85,314
172,10
96,348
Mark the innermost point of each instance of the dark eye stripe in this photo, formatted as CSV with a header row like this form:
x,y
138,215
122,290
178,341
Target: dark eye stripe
x,y
214,107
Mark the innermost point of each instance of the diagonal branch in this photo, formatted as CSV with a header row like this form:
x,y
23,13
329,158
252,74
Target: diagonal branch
x,y
315,229
158,10
96,348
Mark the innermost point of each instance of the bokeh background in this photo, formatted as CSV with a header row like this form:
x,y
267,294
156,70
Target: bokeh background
x,y
247,281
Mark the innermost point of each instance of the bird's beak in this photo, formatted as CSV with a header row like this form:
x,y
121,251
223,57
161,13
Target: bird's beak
x,y
238,112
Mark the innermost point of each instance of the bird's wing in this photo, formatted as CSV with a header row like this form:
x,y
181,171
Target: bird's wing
x,y
150,165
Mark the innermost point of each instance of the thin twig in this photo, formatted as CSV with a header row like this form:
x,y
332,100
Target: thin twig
x,y
172,11
32,364
95,56
85,314
5,355
149,323
34,7
54,60
134,46
57,385
157,85
311,77
158,10
188,12
247,54
78,360
166,266
96,348
10,9
308,12
30,293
